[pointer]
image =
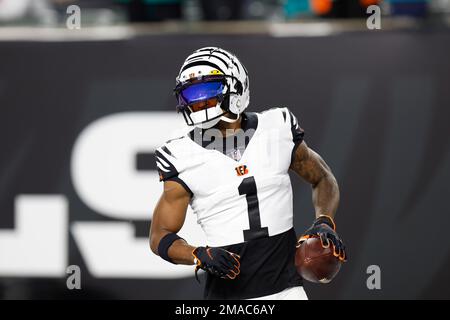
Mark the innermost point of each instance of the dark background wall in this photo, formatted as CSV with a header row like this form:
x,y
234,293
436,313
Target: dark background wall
x,y
374,105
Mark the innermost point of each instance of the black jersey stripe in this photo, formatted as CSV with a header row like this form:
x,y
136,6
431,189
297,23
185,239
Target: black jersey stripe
x,y
161,163
160,156
294,121
297,134
284,114
166,150
170,140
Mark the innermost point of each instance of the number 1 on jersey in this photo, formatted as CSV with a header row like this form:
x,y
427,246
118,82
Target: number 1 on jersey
x,y
248,187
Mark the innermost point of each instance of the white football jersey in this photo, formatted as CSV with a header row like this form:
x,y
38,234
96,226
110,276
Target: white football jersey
x,y
240,190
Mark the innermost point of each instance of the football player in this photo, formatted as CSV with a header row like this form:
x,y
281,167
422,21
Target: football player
x,y
232,169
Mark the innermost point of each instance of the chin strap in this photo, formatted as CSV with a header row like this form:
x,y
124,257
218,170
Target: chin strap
x,y
229,120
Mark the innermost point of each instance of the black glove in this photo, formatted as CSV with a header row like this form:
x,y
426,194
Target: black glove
x,y
325,228
217,261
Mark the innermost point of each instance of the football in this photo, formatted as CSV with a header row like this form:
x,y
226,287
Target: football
x,y
316,263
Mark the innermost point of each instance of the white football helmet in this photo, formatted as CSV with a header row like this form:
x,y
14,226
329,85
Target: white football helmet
x,y
210,83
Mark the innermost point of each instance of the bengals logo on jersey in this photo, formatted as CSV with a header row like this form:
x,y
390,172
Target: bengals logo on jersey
x,y
241,170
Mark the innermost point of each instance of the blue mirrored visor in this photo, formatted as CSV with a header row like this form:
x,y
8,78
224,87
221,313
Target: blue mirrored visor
x,y
202,91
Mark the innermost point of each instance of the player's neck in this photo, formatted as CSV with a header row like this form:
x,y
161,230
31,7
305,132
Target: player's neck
x,y
229,128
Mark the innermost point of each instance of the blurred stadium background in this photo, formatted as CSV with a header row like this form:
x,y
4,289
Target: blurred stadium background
x,y
81,112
